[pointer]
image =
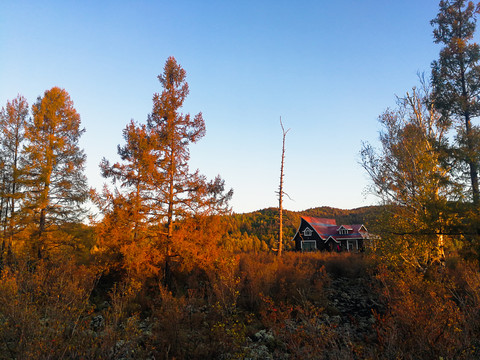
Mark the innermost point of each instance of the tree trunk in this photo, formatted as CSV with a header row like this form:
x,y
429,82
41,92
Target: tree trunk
x,y
167,279
41,231
471,163
280,193
468,133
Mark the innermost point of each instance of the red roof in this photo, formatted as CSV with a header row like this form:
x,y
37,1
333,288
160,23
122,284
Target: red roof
x,y
319,221
328,227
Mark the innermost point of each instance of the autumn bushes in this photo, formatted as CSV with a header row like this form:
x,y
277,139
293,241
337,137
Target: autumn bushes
x,y
299,306
44,310
283,280
430,315
53,310
289,296
350,306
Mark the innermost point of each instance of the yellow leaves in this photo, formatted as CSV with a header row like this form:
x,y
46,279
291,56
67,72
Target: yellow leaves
x,y
409,174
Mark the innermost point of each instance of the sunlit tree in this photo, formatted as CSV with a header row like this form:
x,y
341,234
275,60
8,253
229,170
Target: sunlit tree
x,y
126,233
132,176
55,185
158,192
180,192
12,129
410,175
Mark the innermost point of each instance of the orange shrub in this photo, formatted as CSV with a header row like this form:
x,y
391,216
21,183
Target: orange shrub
x,y
429,315
44,310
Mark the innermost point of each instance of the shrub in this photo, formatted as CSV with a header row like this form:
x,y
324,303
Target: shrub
x,y
44,310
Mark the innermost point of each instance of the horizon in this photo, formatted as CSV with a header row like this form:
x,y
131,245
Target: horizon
x,y
304,210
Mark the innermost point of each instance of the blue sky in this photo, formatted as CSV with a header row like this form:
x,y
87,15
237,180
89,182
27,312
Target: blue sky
x,y
329,68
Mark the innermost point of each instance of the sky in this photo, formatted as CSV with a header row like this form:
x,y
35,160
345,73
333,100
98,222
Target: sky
x,y
327,68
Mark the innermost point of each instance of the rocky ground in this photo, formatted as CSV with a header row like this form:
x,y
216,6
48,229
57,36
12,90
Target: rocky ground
x,y
356,303
349,314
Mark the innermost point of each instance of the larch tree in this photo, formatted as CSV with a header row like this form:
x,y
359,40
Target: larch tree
x,y
456,80
409,175
132,176
12,131
179,193
158,194
55,185
125,228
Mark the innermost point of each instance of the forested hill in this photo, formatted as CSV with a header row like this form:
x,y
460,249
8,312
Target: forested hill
x,y
258,230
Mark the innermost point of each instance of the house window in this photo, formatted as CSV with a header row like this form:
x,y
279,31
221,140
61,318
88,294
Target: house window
x,y
307,232
309,245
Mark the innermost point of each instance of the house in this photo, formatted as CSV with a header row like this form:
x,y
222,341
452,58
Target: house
x,y
324,234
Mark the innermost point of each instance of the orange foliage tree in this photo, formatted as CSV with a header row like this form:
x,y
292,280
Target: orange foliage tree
x,y
55,186
157,192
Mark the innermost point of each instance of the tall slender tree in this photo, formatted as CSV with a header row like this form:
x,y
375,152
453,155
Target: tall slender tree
x,y
456,79
132,175
126,231
12,128
281,192
53,171
179,192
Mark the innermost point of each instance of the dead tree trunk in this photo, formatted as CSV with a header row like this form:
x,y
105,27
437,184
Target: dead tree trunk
x,y
280,193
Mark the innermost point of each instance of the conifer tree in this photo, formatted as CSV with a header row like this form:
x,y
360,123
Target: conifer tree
x,y
456,80
126,229
55,186
179,192
156,188
132,176
12,128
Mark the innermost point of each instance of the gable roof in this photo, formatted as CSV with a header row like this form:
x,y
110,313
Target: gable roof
x,y
326,228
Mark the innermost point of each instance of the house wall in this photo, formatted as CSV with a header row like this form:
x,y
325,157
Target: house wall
x,y
299,236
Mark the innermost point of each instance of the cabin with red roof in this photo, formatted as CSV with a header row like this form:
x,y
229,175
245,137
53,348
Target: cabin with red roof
x,y
324,234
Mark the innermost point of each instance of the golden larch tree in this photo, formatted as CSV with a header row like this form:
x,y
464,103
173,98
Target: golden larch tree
x,y
55,185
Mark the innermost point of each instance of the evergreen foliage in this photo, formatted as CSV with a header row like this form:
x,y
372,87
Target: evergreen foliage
x,y
456,81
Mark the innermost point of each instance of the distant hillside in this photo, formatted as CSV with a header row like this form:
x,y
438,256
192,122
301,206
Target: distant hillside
x,y
260,228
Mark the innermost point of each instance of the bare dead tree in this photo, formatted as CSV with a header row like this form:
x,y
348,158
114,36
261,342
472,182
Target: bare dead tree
x,y
281,192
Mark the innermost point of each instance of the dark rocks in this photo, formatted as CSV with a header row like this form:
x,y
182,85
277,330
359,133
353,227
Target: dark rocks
x,y
354,302
97,323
